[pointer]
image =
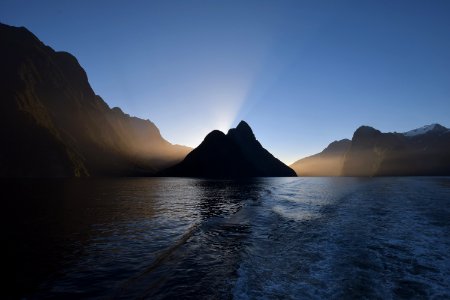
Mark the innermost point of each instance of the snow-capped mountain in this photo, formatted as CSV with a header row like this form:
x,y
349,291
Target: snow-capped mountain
x,y
424,151
426,129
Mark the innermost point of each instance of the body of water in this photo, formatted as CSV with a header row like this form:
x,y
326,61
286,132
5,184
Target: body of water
x,y
162,238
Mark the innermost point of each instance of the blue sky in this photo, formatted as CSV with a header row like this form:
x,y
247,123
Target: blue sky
x,y
301,73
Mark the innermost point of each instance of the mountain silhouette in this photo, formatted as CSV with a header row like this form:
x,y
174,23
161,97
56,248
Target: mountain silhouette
x,y
420,152
233,155
53,124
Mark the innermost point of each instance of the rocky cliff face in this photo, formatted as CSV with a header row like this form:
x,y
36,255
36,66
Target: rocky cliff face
x,y
53,124
234,155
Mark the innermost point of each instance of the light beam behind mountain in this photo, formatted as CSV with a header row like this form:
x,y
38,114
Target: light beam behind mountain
x,y
234,155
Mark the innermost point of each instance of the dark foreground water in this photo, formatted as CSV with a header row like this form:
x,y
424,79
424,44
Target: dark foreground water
x,y
296,238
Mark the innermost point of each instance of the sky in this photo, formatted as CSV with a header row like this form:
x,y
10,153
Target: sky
x,y
301,73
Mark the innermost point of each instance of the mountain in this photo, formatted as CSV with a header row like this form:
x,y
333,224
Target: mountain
x,y
329,162
370,151
233,155
373,153
52,124
433,128
419,152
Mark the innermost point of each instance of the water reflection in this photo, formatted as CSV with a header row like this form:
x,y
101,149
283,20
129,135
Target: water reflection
x,y
203,262
193,238
83,236
49,223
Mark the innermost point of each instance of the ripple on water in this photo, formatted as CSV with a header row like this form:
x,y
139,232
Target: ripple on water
x,y
374,239
307,238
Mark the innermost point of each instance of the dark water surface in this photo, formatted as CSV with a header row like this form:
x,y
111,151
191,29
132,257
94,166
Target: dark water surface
x,y
296,238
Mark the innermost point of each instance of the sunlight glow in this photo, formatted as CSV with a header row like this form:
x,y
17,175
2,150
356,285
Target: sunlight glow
x,y
222,96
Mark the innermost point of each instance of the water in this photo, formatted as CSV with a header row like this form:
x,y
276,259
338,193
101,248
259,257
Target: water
x,y
294,238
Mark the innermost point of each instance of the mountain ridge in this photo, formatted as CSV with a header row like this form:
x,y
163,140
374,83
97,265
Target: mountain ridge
x,y
435,127
56,126
374,153
236,154
329,162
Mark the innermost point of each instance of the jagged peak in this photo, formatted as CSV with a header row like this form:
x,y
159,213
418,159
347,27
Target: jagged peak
x,y
117,109
215,134
243,126
18,28
343,141
242,130
366,130
68,56
15,31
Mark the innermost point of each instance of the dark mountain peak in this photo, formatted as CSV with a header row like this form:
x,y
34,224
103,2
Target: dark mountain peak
x,y
236,154
215,135
366,131
439,127
67,56
243,126
20,32
4,26
242,131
